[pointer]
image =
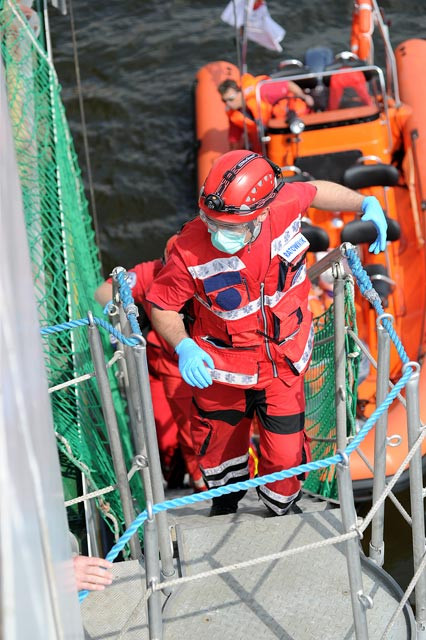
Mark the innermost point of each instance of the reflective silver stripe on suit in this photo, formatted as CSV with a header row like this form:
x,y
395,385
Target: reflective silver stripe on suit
x,y
218,265
236,379
213,471
301,364
280,243
286,501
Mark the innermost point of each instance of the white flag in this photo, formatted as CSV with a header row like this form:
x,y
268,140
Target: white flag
x,y
260,26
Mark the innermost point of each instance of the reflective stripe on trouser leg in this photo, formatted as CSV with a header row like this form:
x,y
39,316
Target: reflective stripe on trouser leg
x,y
280,410
220,430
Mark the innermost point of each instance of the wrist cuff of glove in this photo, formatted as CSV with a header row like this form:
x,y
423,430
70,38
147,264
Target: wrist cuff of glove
x,y
366,202
178,347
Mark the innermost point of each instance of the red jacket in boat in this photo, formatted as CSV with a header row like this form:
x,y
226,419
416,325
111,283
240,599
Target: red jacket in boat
x,y
250,308
162,359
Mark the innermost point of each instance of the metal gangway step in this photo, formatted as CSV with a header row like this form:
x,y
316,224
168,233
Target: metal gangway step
x,y
304,596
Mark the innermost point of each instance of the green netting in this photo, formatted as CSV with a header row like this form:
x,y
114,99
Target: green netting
x,y
319,389
65,262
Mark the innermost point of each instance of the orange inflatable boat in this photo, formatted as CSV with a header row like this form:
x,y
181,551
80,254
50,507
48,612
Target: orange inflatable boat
x,y
370,135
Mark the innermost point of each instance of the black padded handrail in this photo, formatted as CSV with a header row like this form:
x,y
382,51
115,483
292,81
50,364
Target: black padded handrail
x,y
357,232
316,236
371,175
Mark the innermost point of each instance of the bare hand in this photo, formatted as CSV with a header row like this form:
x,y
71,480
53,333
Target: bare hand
x,y
92,573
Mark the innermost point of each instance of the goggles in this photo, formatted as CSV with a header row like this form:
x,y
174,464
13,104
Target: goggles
x,y
215,225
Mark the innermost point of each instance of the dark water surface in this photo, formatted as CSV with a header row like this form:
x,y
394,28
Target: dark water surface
x,y
138,61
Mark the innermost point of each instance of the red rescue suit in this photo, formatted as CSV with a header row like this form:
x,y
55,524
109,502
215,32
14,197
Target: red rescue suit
x,y
252,317
171,396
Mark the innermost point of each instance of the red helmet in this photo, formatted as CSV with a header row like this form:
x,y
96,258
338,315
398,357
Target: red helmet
x,y
242,184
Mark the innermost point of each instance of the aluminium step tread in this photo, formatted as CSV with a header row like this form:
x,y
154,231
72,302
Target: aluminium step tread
x,y
302,597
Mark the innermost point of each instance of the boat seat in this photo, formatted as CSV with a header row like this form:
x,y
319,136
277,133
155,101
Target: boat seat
x,y
342,62
370,175
381,282
294,68
358,232
316,236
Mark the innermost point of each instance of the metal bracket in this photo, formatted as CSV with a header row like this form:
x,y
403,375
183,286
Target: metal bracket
x,y
141,461
139,337
394,441
366,601
345,461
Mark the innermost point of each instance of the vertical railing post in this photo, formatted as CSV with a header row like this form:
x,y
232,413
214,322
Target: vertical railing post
x,y
132,393
377,546
416,495
110,418
152,575
339,355
344,480
360,601
164,539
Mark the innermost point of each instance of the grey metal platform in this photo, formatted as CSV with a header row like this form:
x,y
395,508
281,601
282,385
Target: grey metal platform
x,y
302,597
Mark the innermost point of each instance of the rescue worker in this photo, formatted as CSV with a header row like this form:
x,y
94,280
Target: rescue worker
x,y
243,109
242,262
171,396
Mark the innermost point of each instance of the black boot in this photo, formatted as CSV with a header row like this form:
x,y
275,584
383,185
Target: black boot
x,y
226,504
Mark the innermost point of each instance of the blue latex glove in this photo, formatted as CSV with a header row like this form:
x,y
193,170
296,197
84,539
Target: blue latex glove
x,y
191,364
373,212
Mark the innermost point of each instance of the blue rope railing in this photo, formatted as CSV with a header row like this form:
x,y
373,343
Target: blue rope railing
x,y
366,289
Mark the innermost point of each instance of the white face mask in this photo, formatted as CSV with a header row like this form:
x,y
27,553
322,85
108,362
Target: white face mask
x,y
228,241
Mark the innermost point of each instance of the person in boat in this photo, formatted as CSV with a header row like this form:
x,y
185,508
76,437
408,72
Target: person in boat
x,y
171,396
243,110
242,263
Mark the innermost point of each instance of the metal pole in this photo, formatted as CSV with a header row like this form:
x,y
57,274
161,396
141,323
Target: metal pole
x,y
416,495
377,546
339,355
152,575
135,401
165,543
360,601
113,432
133,397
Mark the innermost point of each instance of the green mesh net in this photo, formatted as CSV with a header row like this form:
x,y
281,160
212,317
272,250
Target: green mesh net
x,y
320,421
64,257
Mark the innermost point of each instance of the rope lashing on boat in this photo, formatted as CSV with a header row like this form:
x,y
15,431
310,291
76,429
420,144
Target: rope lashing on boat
x,y
373,297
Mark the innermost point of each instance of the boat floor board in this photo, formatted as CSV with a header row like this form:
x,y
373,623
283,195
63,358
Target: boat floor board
x,y
301,597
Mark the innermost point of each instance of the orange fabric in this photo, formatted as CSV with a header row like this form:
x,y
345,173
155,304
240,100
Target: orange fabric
x,y
264,113
362,29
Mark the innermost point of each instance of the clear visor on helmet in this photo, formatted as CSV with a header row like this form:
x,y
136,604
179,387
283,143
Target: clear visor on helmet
x,y
215,225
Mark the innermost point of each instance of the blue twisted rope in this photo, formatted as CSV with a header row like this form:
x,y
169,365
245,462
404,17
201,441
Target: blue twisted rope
x,y
128,302
72,324
367,290
315,465
372,296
